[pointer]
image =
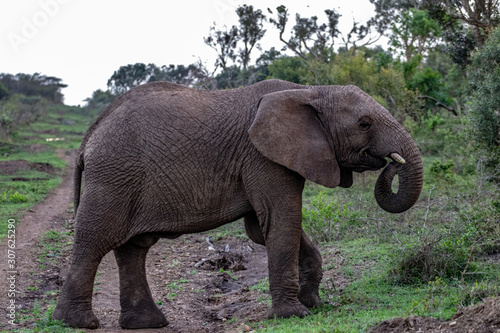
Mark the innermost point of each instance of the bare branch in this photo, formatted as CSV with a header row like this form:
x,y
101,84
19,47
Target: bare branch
x,y
438,103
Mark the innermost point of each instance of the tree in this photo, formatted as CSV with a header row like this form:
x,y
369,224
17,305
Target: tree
x,y
308,39
20,110
466,24
4,92
267,57
48,87
311,40
130,76
224,43
191,75
361,32
250,31
460,43
387,11
484,87
99,101
291,69
414,32
483,16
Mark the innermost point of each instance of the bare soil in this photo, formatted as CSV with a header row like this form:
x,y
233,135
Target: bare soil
x,y
200,285
481,318
11,167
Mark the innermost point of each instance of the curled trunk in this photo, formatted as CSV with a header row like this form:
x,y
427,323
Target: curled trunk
x,y
410,183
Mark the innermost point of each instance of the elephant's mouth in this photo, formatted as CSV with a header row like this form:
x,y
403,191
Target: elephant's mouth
x,y
368,162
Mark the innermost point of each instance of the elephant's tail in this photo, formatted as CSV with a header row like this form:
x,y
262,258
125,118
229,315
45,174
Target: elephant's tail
x,y
79,166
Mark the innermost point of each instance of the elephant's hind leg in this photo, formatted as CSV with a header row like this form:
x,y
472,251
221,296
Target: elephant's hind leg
x,y
138,307
74,305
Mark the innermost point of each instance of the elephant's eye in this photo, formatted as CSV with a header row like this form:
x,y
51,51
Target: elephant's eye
x,y
365,125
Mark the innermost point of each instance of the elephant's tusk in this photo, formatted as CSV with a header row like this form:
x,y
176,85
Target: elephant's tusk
x,y
396,157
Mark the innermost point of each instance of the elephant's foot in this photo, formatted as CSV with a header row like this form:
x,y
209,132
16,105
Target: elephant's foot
x,y
150,317
288,310
80,316
309,298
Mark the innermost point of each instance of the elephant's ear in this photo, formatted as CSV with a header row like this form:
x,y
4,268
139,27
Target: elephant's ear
x,y
287,130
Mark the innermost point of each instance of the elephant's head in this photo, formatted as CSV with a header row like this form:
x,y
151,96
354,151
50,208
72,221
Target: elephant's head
x,y
326,133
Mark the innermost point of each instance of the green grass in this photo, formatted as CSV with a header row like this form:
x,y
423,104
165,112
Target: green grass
x,y
370,299
42,318
53,244
174,287
19,196
263,288
29,144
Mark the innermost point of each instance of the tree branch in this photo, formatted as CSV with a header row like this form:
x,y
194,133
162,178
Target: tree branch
x,y
438,103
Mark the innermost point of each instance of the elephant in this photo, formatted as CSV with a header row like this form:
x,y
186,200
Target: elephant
x,y
165,160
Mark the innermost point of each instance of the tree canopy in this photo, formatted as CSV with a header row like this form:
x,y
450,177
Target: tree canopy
x,y
48,87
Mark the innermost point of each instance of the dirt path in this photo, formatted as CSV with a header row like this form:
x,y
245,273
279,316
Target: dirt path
x,y
199,287
49,215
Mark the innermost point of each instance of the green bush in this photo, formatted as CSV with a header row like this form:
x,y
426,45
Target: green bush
x,y
98,102
19,110
291,69
4,92
484,87
422,262
440,169
386,84
452,249
324,219
13,197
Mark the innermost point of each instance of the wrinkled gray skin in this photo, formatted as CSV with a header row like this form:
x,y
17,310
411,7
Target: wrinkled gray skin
x,y
165,160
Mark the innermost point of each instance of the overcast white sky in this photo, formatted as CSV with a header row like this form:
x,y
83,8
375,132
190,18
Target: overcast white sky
x,y
84,41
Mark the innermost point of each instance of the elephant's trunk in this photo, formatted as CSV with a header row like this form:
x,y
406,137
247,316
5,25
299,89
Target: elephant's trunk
x,y
410,173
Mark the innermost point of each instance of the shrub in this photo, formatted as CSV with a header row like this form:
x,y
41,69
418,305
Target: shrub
x,y
324,219
449,250
13,197
484,86
4,92
288,68
98,102
19,110
433,258
442,169
385,84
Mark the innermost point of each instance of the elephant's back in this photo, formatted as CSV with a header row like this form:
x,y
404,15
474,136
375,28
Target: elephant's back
x,y
132,96
165,124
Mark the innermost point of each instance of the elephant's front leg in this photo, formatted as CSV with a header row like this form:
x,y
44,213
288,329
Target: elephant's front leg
x,y
138,307
283,243
310,272
310,262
